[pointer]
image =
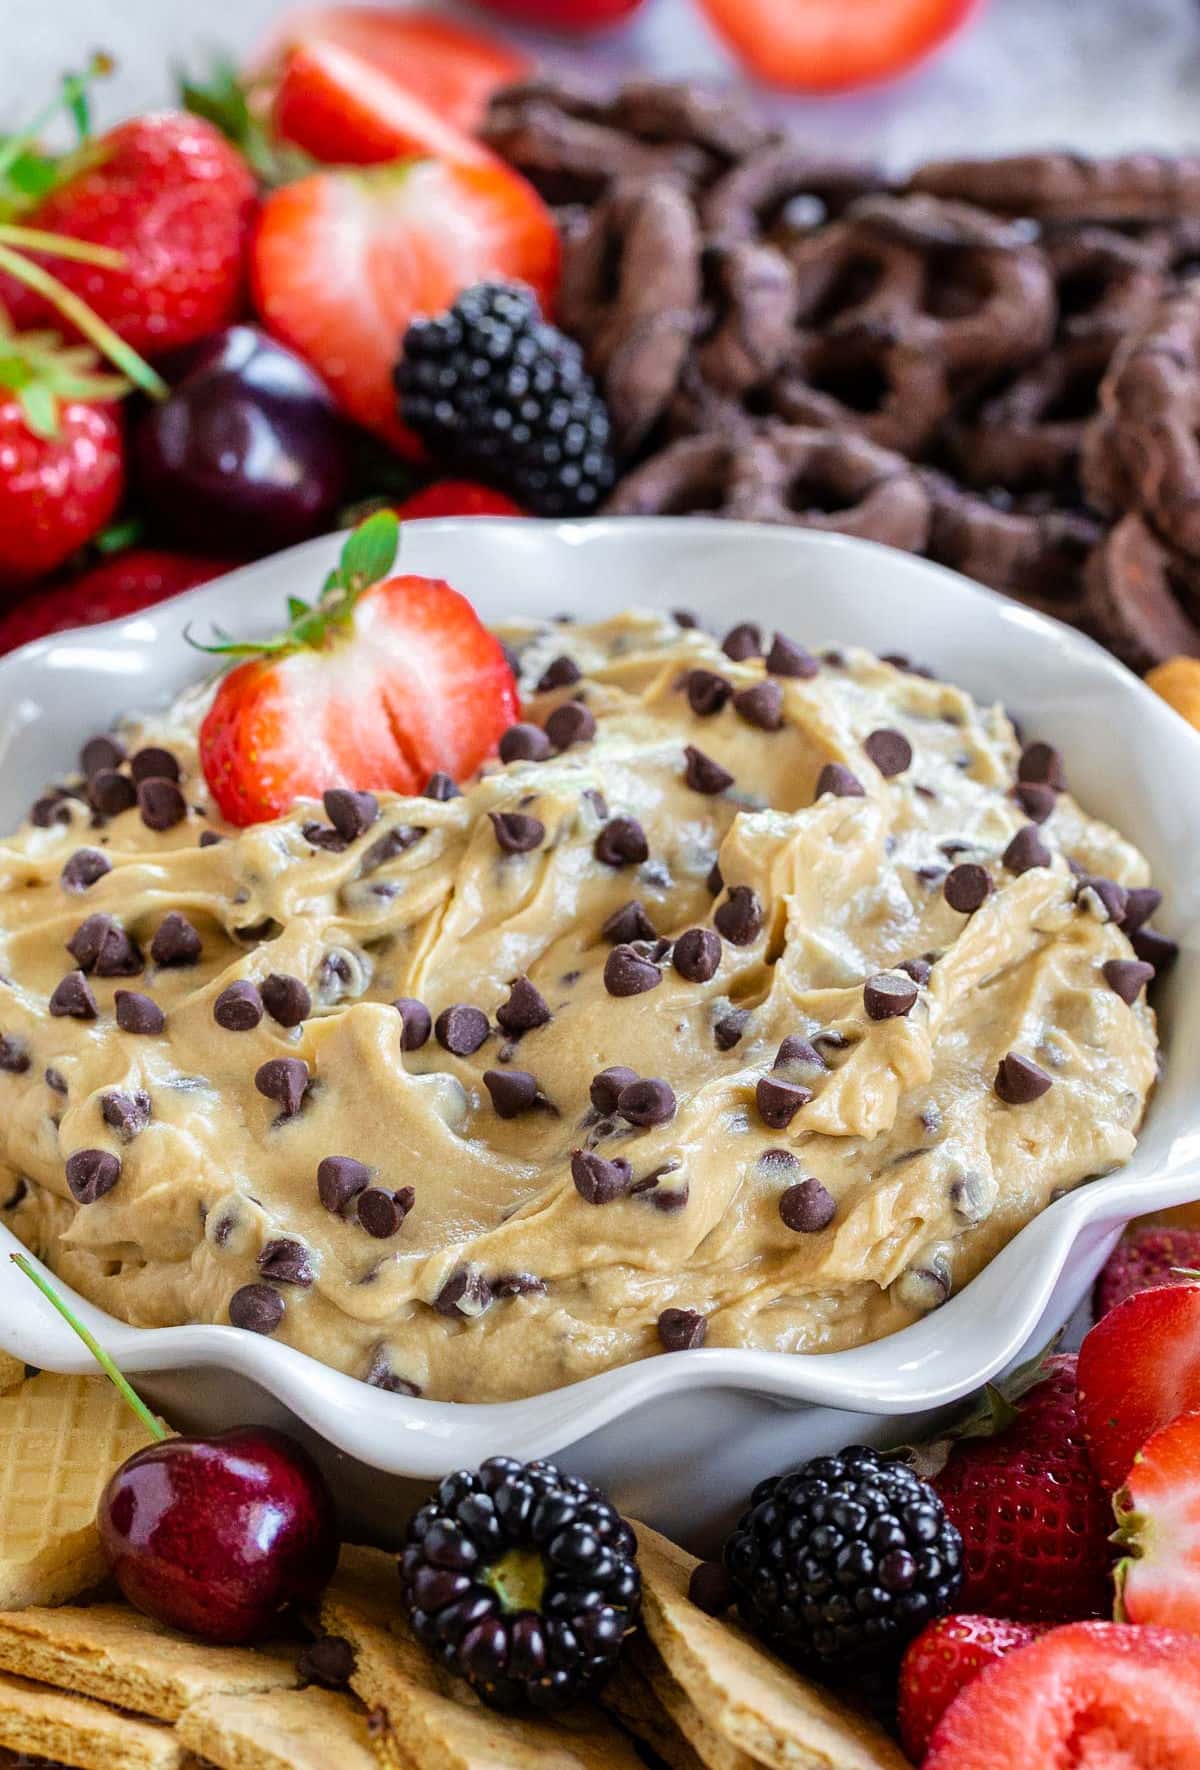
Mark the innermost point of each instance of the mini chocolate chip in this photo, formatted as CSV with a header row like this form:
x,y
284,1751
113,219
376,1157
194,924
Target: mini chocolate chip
x,y
1036,799
714,883
621,843
416,1023
175,941
382,1376
56,1080
83,868
599,1182
697,954
560,672
518,1284
381,1213
513,1091
1141,901
516,833
740,917
605,1089
511,658
807,1206
648,1101
324,837
729,1029
572,723
239,1007
681,1330
286,1261
742,642
888,997
1103,898
1018,1081
340,1179
525,1008
889,750
285,999
256,1308
52,808
593,797
73,998
441,787
461,1029
329,1660
126,1114
110,793
760,705
966,888
837,779
795,1052
91,1173
786,658
1026,850
524,743
101,753
628,923
710,1588
210,839
702,774
137,1013
162,804
1041,765
707,692
284,1079
777,1160
920,970
467,1293
626,973
101,945
683,617
397,840
14,1055
153,763
350,813
1129,977
1157,949
779,1102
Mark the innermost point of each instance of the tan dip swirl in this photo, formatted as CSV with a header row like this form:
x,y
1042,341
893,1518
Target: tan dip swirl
x,y
682,891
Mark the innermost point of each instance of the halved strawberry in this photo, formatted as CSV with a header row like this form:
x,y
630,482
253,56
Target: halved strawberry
x,y
827,45
343,261
1139,1369
457,497
453,69
1158,1519
339,108
381,683
943,1660
1098,1695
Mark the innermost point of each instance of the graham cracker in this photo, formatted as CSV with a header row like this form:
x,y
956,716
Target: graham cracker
x,y
642,1675
74,1730
628,1696
434,1721
116,1655
741,1691
283,1730
60,1440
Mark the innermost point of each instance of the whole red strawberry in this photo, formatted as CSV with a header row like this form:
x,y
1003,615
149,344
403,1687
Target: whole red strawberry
x,y
1144,1259
169,193
118,586
942,1661
1034,1519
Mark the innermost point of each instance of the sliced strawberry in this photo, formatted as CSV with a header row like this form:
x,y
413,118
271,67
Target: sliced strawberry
x,y
1158,1518
458,497
1144,1259
1096,1695
339,108
119,586
942,1661
1139,1369
827,45
452,69
379,685
344,260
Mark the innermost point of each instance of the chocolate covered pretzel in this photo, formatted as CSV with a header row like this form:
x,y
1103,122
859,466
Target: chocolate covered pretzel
x,y
1070,187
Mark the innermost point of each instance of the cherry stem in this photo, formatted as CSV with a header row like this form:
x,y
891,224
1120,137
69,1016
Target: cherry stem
x,y
119,1381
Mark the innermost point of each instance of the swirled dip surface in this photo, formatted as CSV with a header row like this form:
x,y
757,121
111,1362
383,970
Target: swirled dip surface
x,y
805,1207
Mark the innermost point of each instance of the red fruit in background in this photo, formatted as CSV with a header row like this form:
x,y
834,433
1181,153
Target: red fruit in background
x,y
340,109
343,261
457,497
828,45
176,199
1033,1518
452,69
942,1661
117,587
568,16
1143,1260
1091,1696
1139,1369
219,1536
1158,1518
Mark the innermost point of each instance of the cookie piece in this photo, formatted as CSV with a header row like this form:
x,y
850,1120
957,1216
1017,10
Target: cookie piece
x,y
286,1730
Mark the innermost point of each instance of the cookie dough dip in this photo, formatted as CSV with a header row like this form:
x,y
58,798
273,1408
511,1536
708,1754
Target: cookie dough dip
x,y
750,998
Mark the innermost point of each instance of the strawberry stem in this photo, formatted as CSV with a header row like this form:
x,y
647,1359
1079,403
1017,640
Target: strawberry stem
x,y
80,315
40,239
119,1381
72,97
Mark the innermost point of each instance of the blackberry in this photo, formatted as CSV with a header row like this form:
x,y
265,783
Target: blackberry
x,y
844,1560
522,1580
498,393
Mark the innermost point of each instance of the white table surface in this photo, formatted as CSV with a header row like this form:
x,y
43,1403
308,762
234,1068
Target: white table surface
x,y
1093,74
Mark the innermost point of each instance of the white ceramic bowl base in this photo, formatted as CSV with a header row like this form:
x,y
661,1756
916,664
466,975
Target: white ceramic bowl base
x,y
679,1439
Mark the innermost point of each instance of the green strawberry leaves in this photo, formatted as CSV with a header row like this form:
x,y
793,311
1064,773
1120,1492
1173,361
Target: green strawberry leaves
x,y
44,374
230,105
